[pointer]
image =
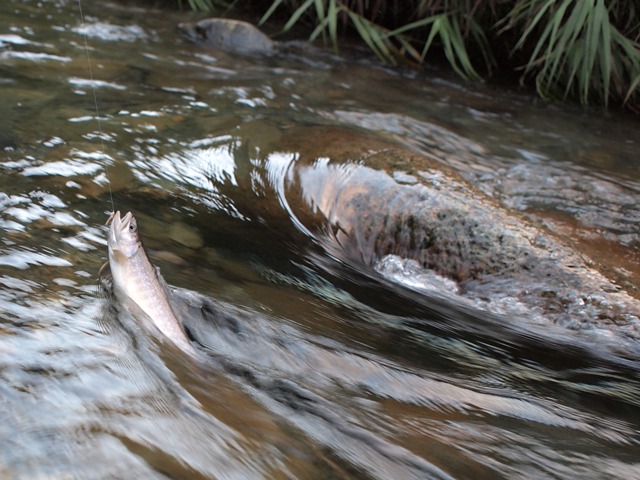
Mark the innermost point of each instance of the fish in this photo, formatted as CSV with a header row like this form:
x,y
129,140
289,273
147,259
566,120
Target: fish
x,y
138,285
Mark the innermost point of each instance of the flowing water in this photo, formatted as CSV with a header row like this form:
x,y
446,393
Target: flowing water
x,y
318,356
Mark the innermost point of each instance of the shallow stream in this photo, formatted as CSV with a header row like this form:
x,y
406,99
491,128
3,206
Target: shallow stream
x,y
326,348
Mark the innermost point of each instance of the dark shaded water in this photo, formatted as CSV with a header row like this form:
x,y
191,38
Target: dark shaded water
x,y
312,363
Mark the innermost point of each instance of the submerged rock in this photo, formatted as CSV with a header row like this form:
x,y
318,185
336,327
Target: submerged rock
x,y
450,228
226,34
185,235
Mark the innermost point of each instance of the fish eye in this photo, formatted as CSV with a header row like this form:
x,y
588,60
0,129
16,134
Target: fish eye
x,y
133,226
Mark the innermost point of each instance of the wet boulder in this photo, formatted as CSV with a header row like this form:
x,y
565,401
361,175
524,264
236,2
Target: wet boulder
x,y
227,34
402,212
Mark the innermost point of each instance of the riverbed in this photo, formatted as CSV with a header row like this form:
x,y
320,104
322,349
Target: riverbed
x,y
285,199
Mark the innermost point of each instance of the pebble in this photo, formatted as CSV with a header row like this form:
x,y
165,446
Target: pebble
x,y
185,235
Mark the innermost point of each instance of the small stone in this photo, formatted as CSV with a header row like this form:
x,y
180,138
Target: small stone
x,y
403,178
167,257
227,34
567,321
185,235
610,288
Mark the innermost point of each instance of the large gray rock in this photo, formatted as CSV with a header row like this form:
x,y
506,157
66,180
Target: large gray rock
x,y
229,35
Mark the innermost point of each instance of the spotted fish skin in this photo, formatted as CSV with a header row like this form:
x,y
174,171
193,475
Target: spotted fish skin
x,y
136,280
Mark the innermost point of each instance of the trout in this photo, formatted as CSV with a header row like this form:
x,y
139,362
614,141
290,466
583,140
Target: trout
x,y
136,280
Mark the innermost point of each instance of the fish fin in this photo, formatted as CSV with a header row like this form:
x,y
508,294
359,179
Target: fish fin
x,y
103,267
161,280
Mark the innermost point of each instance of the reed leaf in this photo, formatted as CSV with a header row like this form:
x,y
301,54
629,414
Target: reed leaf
x,y
320,29
435,29
320,9
328,22
576,48
446,27
332,14
424,22
373,39
521,11
605,56
407,48
453,44
295,16
632,88
270,11
455,50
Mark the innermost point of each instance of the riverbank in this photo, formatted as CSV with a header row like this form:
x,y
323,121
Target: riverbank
x,y
584,52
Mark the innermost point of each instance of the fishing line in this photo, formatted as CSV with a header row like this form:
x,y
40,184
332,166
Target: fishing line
x,y
95,102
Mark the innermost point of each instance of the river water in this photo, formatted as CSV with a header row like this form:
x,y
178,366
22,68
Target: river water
x,y
318,356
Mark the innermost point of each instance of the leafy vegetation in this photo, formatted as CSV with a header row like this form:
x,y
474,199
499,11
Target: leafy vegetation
x,y
583,49
589,48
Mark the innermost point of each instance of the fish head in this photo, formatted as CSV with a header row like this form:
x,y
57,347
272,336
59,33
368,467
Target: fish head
x,y
124,237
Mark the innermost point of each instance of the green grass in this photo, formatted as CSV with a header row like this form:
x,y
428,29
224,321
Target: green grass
x,y
577,50
587,50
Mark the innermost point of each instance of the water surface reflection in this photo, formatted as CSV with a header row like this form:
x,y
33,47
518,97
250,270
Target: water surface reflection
x,y
323,352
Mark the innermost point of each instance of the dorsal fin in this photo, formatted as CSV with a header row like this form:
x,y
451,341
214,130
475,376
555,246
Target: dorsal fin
x,y
162,283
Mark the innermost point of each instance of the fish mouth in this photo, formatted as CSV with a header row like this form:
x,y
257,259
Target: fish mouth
x,y
118,224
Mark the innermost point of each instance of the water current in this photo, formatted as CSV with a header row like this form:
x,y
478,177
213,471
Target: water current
x,y
385,274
